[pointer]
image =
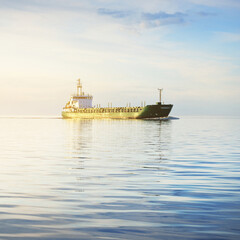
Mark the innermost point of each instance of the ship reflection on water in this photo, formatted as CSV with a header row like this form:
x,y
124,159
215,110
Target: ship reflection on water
x,y
107,149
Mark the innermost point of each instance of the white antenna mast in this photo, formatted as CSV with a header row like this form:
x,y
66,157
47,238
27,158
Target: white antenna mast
x,y
79,87
160,94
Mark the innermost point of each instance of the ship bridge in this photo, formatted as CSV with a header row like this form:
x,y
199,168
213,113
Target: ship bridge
x,y
80,99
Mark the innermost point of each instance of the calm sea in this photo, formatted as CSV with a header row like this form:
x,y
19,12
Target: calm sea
x,y
120,179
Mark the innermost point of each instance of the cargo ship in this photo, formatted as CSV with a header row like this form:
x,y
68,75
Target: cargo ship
x,y
80,106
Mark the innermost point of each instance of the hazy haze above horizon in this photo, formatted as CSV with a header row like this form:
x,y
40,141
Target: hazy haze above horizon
x,y
123,51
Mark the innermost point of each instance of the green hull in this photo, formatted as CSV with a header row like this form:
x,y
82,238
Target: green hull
x,y
150,111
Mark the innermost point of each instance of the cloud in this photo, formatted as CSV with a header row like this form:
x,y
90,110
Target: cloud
x,y
163,15
134,14
163,18
113,13
205,14
228,37
145,19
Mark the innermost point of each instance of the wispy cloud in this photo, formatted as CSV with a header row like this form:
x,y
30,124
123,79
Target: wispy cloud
x,y
205,14
163,18
113,13
228,37
146,19
163,15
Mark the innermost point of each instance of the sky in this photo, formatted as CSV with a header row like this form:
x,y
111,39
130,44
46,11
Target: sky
x,y
122,51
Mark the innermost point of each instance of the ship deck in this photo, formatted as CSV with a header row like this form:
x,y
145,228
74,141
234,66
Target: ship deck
x,y
149,111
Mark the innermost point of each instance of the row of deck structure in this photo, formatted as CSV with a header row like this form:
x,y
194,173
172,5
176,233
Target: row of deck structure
x,y
107,110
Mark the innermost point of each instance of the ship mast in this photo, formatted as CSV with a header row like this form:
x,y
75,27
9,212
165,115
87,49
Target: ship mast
x,y
160,94
79,88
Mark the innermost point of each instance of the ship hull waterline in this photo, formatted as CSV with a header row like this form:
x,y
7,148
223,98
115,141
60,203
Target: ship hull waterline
x,y
147,112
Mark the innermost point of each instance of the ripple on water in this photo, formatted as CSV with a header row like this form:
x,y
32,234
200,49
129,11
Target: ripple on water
x,y
90,179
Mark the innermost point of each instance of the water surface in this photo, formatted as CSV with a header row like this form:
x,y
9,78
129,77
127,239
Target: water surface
x,y
120,179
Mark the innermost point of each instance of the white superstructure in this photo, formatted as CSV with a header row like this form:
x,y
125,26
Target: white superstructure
x,y
80,100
